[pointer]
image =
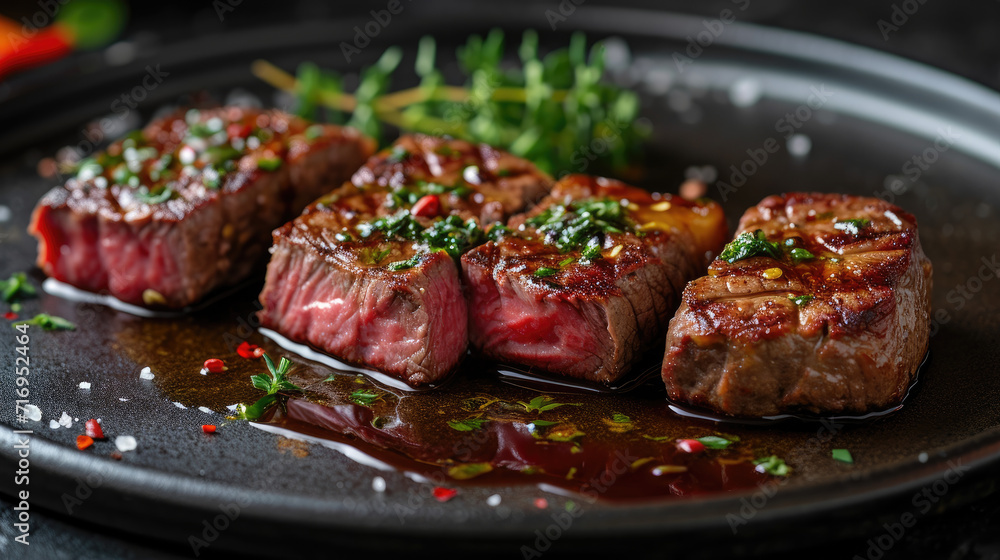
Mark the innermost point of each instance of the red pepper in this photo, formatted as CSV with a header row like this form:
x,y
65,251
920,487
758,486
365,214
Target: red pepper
x,y
690,445
208,428
427,207
239,130
93,429
541,503
83,442
249,351
10,316
215,365
444,494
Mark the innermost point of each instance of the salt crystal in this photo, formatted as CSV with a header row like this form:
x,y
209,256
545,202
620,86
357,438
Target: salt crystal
x,y
922,457
84,385
32,412
745,92
232,407
179,405
205,409
146,373
123,399
378,484
125,443
799,145
54,424
494,500
66,420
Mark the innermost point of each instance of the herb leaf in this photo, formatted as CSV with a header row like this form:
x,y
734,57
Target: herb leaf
x,y
468,424
16,287
773,466
852,226
716,442
582,225
620,418
750,244
800,254
545,272
543,404
842,455
364,398
801,300
47,322
465,471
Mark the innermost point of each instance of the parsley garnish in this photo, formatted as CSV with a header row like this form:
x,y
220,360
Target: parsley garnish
x,y
800,254
582,225
403,265
750,244
716,442
842,455
468,424
773,466
451,234
852,226
545,272
364,398
273,383
16,287
398,154
159,194
47,322
802,299
620,418
269,164
497,232
543,404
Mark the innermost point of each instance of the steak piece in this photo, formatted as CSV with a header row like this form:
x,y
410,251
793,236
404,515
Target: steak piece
x,y
585,296
825,308
185,206
368,273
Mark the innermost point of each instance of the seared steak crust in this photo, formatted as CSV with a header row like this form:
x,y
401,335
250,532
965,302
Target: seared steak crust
x,y
842,332
352,296
171,213
531,304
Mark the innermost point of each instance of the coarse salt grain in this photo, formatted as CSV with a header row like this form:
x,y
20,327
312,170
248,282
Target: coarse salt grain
x,y
205,409
66,420
378,484
84,385
32,412
54,424
179,405
494,500
146,373
125,443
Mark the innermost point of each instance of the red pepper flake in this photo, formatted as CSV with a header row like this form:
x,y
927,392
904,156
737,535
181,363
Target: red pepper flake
x,y
690,445
116,456
208,428
444,494
93,429
215,365
10,316
428,206
239,130
541,503
83,442
249,351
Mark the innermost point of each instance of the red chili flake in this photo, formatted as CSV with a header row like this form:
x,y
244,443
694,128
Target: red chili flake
x,y
249,351
690,445
93,429
239,130
83,442
444,494
215,365
541,503
116,455
428,206
208,428
10,316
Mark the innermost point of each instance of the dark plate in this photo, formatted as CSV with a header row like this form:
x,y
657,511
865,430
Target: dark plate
x,y
877,114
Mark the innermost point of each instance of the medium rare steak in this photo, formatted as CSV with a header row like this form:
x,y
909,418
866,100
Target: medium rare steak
x,y
586,282
820,305
368,273
187,205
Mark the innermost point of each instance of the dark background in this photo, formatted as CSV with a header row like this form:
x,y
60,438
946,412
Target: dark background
x,y
960,37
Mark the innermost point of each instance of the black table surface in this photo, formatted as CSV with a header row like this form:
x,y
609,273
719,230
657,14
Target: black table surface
x,y
958,37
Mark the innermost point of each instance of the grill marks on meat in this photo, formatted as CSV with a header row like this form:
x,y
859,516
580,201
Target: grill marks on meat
x,y
588,320
342,296
101,231
741,346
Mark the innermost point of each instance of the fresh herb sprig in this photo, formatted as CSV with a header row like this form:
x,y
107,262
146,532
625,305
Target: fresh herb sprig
x,y
750,244
47,323
582,225
272,383
544,108
451,234
16,288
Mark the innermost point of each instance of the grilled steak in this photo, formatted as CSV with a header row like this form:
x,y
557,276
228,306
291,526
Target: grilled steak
x,y
368,273
824,308
185,206
586,282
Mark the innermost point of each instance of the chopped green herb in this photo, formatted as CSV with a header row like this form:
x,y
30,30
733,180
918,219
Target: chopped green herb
x,y
566,261
800,254
269,164
378,422
408,263
88,169
842,455
219,154
545,272
715,442
314,132
656,438
16,287
498,231
329,378
453,235
398,154
364,398
852,226
159,194
801,299
582,225
543,423
344,237
47,322
465,471
543,404
564,433
620,418
773,466
276,379
468,424
750,244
